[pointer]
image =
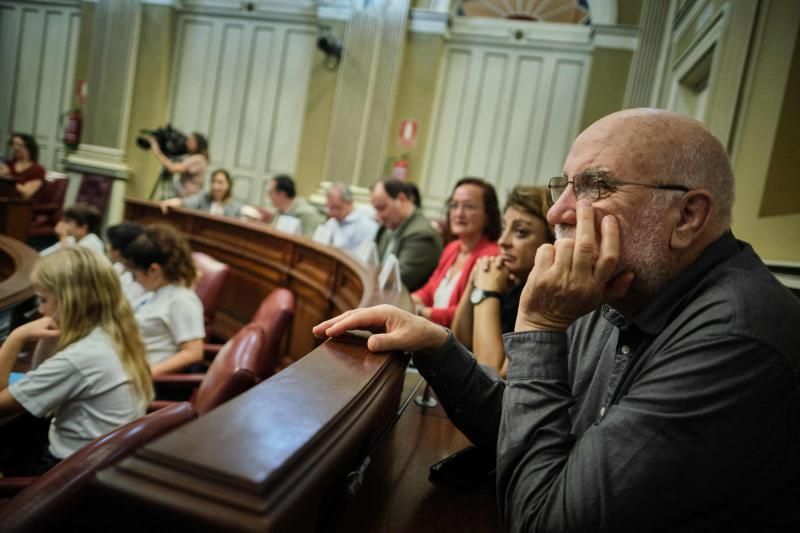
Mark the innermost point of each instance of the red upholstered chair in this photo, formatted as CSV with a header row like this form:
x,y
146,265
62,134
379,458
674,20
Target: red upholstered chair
x,y
209,284
95,190
48,208
274,317
234,370
46,502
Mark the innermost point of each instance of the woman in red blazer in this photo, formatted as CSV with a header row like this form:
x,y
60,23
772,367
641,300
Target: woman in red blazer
x,y
473,217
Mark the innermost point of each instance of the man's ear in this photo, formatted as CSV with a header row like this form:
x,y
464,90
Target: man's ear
x,y
695,212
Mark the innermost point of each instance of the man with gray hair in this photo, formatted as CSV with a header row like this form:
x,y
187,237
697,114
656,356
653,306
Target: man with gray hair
x,y
654,370
349,226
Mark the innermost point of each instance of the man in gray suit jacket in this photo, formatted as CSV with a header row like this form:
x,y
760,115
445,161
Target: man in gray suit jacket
x,y
405,232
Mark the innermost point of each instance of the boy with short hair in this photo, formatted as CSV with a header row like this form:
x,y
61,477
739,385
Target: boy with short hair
x,y
80,224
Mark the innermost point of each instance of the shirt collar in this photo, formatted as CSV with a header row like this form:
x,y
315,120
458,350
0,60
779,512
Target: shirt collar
x,y
654,317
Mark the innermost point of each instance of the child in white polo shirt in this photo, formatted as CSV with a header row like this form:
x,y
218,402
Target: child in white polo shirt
x,y
170,315
99,378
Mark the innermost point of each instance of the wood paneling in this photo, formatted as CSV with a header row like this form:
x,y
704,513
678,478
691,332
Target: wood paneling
x,y
504,113
38,47
243,83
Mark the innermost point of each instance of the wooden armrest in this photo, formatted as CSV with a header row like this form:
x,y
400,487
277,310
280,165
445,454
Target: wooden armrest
x,y
155,405
210,351
178,379
10,486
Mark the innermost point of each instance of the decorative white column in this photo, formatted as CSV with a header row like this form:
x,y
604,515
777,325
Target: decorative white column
x,y
101,155
644,74
372,53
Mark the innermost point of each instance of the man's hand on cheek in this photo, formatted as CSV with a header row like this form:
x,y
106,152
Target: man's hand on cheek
x,y
573,276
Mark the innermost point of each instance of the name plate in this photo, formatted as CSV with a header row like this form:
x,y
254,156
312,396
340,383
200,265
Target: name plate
x,y
367,253
390,274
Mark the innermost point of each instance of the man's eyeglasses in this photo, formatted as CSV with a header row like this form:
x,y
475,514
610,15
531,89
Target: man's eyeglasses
x,y
593,186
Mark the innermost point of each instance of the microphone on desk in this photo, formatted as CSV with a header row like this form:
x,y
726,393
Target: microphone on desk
x,y
356,478
425,399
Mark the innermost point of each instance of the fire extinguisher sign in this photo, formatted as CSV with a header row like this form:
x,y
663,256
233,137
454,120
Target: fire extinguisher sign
x,y
407,134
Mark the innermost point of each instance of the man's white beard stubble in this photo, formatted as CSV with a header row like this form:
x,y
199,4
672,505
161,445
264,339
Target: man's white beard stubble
x,y
640,251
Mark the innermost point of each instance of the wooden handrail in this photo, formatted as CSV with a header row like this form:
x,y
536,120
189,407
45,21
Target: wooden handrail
x,y
276,457
16,292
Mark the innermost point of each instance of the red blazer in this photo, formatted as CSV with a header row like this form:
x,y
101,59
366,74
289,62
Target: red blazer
x,y
444,315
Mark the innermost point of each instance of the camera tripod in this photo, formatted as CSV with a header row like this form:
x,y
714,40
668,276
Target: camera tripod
x,y
164,185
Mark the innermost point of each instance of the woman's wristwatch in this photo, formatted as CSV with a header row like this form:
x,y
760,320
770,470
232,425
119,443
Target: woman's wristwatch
x,y
478,295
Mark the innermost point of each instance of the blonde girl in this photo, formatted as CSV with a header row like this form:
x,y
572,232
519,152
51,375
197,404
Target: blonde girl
x,y
99,378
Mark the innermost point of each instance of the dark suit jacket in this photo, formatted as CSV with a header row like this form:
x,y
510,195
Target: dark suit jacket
x,y
417,247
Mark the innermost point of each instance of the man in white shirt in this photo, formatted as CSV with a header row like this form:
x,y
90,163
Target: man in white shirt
x,y
349,226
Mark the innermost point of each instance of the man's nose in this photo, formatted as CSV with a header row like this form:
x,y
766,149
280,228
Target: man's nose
x,y
564,210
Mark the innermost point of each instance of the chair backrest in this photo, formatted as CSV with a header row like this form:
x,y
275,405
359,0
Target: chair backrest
x,y
209,285
233,370
48,207
274,317
95,190
49,499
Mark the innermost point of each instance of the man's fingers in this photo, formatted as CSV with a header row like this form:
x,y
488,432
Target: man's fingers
x,y
545,256
563,254
585,239
319,329
609,250
383,342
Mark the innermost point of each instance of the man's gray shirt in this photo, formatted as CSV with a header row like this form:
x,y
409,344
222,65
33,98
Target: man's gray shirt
x,y
686,418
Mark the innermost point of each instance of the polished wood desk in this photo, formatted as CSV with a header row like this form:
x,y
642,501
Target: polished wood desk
x,y
277,457
397,495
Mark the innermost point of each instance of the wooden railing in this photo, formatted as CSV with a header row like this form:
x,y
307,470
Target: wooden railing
x,y
16,292
325,281
276,457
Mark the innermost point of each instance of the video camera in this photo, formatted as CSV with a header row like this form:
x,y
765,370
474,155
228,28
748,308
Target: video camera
x,y
171,141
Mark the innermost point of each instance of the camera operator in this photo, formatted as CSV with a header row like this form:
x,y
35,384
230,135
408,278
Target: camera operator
x,y
192,168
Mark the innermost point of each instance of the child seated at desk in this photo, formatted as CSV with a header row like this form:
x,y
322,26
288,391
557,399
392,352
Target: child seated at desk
x,y
98,379
79,225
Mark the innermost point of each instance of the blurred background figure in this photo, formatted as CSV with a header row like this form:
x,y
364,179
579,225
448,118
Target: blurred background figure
x,y
192,168
24,166
488,307
218,200
473,218
349,226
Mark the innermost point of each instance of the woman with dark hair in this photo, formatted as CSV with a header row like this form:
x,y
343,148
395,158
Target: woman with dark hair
x,y
170,315
473,217
192,168
24,166
217,201
488,307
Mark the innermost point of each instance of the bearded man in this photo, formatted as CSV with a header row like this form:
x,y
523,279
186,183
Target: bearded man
x,y
653,379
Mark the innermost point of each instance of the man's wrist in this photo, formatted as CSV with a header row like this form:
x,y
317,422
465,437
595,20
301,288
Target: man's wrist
x,y
539,324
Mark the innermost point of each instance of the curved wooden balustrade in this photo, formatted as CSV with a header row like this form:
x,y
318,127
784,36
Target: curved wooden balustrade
x,y
324,280
16,292
277,456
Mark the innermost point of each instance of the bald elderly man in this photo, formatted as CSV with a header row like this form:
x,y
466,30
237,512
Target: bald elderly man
x,y
653,376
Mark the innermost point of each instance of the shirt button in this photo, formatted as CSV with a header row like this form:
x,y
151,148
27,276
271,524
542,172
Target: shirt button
x,y
625,349
602,411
